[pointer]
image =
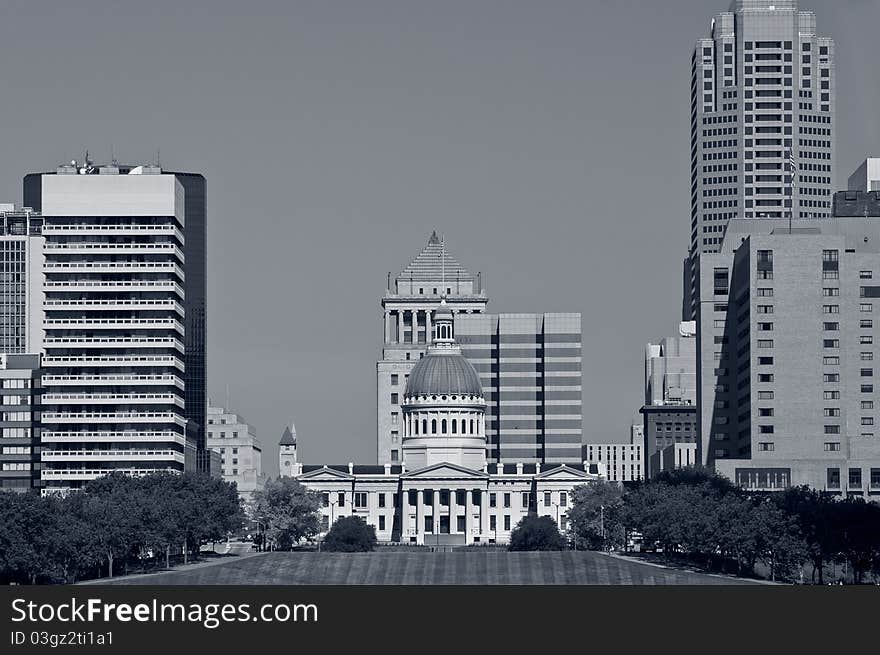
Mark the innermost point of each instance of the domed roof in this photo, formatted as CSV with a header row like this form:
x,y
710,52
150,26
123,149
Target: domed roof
x,y
439,373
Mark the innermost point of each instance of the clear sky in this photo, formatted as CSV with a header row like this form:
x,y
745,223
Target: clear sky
x,y
547,140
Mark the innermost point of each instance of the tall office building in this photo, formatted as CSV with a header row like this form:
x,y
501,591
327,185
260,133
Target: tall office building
x,y
530,369
241,454
529,364
117,296
21,280
787,342
762,90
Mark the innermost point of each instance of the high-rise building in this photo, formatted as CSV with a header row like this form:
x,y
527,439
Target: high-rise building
x,y
530,369
119,248
20,462
670,409
787,340
866,177
241,454
21,280
529,364
762,93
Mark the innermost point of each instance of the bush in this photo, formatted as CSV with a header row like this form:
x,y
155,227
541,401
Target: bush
x,y
536,533
350,534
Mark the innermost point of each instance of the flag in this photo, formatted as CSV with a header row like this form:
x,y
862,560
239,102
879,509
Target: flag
x,y
792,164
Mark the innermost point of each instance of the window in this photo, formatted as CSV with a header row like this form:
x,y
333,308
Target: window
x,y
831,395
546,499
833,476
507,521
765,343
867,420
765,361
831,361
832,411
507,500
866,339
830,309
325,499
493,502
832,429
831,327
525,499
382,500
765,395
765,377
765,411
766,446
765,293
563,499
493,524
831,343
340,499
866,372
865,307
867,388
360,499
866,323
381,521
831,377
867,404
866,356
829,292
865,275
394,379
394,397
875,478
855,478
765,429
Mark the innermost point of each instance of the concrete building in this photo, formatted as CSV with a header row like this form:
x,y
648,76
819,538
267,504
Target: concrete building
x,y
621,462
669,413
673,456
787,343
866,177
241,455
20,463
443,492
762,90
529,364
119,267
21,280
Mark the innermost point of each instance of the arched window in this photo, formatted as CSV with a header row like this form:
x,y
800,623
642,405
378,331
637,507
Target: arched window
x,y
464,426
473,430
454,426
443,427
415,426
424,426
433,426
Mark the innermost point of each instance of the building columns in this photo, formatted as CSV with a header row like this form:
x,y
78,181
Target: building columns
x,y
428,338
469,516
387,326
399,326
404,515
420,516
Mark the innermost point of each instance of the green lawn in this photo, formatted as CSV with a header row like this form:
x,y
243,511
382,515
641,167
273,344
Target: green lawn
x,y
426,568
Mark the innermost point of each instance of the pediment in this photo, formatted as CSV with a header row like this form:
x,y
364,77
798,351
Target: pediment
x,y
325,473
445,470
565,472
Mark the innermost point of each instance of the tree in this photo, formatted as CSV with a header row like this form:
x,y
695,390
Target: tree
x,y
25,537
350,534
595,517
536,533
778,539
813,511
288,511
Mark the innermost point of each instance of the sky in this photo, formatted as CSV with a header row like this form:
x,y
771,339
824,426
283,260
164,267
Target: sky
x,y
547,140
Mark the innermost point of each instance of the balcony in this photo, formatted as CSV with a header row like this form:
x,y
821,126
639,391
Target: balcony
x,y
114,324
118,229
114,342
91,474
116,286
112,360
113,417
112,399
100,247
111,455
114,380
89,304
113,267
112,436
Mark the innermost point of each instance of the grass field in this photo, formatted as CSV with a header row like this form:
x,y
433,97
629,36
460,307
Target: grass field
x,y
425,568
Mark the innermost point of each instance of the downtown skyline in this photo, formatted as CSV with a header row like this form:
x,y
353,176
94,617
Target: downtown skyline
x,y
556,175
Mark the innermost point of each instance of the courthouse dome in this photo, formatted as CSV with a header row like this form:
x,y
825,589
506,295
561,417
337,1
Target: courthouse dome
x,y
443,373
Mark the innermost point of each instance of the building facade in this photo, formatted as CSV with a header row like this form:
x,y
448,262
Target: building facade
x,y
444,492
787,348
241,455
20,445
762,91
21,280
116,270
529,364
670,410
866,177
620,462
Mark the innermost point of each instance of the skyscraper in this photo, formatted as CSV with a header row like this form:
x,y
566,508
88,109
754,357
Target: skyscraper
x,y
122,319
762,102
21,280
787,340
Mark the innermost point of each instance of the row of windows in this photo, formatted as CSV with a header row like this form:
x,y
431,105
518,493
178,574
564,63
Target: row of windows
x,y
458,497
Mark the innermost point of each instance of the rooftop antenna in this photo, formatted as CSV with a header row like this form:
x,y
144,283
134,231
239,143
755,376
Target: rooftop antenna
x,y
112,155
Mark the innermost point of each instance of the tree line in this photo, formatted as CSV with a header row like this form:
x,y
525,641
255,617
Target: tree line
x,y
111,524
700,516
